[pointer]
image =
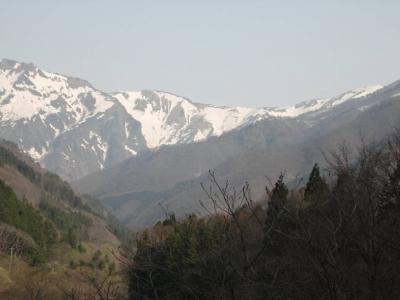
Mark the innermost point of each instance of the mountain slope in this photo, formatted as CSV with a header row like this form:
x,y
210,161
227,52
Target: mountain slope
x,y
50,196
172,175
74,129
51,241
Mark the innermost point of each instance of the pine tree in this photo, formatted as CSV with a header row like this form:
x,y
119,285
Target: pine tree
x,y
278,197
316,188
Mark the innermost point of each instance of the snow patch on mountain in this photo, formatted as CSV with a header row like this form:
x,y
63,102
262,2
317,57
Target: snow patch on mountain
x,y
166,118
153,109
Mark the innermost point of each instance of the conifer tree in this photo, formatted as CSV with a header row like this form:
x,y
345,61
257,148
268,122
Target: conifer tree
x,y
316,188
278,197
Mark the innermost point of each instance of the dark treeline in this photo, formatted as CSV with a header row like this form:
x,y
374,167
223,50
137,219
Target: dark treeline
x,y
337,238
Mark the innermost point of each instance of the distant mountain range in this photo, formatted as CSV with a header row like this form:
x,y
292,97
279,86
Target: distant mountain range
x,y
171,176
74,129
137,150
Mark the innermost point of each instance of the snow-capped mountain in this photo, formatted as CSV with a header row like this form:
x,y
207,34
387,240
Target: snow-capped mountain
x,y
171,119
63,122
75,129
173,176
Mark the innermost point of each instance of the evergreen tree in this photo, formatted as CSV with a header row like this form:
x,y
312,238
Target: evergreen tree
x,y
278,197
316,188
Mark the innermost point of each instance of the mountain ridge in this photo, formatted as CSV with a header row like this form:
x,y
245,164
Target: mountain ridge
x,y
74,129
170,176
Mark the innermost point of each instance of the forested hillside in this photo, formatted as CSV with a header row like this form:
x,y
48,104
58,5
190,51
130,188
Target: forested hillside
x,y
52,241
23,216
335,238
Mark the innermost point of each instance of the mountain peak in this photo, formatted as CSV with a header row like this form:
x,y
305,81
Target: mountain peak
x,y
9,64
6,63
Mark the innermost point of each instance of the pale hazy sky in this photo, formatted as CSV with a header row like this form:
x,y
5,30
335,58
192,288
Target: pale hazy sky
x,y
249,53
